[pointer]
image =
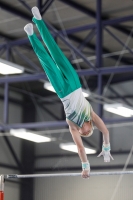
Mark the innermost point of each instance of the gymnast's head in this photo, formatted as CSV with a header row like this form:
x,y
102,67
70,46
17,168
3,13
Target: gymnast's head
x,y
87,129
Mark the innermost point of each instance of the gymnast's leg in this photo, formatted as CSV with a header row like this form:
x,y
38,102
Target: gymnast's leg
x,y
53,72
56,53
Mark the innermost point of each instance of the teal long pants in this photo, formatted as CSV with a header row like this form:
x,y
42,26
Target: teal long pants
x,y
58,69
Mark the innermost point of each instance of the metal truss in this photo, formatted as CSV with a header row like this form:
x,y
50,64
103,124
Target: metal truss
x,y
96,29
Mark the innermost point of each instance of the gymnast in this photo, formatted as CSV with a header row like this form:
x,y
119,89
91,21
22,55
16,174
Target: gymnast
x,y
79,113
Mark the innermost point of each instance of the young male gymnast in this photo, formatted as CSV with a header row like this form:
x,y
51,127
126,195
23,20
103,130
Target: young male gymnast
x,y
64,79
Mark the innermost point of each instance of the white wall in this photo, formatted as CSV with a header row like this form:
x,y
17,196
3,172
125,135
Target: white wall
x,y
77,188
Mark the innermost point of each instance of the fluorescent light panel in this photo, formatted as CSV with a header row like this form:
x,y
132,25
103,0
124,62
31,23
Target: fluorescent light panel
x,y
119,109
23,134
86,93
7,67
72,147
48,86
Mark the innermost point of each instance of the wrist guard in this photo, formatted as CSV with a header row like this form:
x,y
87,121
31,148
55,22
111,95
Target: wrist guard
x,y
85,166
106,147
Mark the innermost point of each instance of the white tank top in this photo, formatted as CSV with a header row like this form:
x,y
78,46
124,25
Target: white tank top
x,y
77,108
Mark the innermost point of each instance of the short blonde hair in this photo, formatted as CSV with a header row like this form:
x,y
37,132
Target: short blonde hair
x,y
90,132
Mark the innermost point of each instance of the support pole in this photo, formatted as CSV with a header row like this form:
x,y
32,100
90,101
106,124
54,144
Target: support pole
x,y
1,187
99,59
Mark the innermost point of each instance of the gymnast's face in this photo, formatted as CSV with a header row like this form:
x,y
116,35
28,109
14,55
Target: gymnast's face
x,y
86,129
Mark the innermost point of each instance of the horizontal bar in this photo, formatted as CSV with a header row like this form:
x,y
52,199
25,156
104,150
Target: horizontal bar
x,y
66,174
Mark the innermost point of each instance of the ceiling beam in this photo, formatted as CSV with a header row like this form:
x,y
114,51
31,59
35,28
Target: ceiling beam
x,y
85,72
51,124
105,18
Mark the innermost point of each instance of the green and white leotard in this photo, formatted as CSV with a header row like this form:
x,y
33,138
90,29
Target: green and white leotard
x,y
77,108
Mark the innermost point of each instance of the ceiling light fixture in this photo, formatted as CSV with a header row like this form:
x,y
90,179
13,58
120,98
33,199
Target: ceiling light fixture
x,y
119,109
27,135
72,147
7,67
48,86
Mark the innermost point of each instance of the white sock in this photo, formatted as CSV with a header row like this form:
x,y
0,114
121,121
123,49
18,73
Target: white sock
x,y
29,29
36,13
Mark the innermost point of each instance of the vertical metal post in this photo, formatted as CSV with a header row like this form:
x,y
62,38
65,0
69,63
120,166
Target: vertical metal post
x,y
6,93
99,35
1,187
28,153
39,4
99,56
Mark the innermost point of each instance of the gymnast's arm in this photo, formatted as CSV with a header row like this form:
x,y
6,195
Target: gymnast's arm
x,y
81,150
78,141
101,126
106,143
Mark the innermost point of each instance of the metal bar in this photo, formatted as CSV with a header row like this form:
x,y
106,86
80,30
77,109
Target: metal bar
x,y
121,120
16,11
99,59
46,5
118,40
26,59
2,51
1,187
34,125
3,165
55,31
100,106
87,39
99,35
23,78
12,152
39,4
104,23
66,174
6,94
91,13
119,96
70,45
107,70
51,124
85,72
28,17
80,7
25,4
